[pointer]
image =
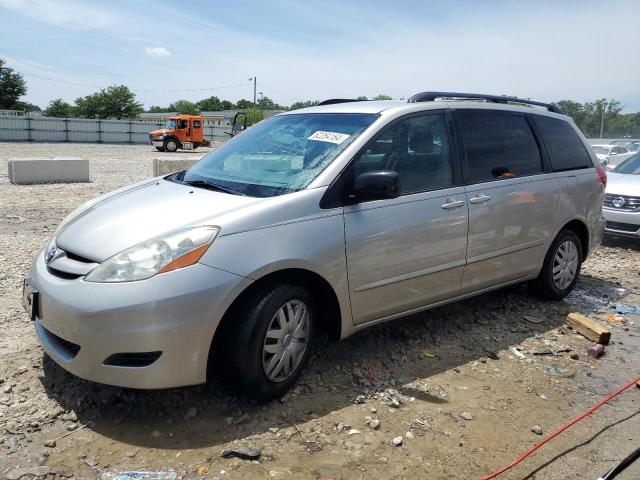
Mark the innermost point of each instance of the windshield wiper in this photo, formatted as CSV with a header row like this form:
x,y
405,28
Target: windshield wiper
x,y
214,186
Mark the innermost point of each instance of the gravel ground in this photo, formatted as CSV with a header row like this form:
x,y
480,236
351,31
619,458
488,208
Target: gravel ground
x,y
448,384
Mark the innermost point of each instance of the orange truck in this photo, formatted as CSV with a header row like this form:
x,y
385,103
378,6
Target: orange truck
x,y
180,131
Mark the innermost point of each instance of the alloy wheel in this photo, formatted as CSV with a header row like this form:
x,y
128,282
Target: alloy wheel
x,y
565,264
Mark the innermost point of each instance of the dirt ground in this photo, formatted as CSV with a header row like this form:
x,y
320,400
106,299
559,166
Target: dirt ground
x,y
450,382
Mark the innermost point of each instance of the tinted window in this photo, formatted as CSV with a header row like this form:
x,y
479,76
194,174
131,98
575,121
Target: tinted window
x,y
566,150
498,146
196,124
417,148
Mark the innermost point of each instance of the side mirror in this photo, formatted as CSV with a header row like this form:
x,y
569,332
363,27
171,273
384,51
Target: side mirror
x,y
377,185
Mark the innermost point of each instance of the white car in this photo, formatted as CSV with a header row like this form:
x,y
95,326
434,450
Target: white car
x,y
611,155
622,199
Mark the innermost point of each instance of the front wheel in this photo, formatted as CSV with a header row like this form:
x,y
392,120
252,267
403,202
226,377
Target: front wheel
x,y
561,267
170,145
273,340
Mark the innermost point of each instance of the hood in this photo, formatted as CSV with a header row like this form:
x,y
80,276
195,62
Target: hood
x,y
162,131
623,184
601,156
117,222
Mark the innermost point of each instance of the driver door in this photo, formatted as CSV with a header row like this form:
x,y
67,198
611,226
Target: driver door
x,y
407,252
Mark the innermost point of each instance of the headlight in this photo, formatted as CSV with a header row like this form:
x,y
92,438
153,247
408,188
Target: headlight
x,y
158,255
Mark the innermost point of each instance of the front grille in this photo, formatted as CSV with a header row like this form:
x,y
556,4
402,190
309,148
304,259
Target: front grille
x,y
63,275
138,359
623,227
631,204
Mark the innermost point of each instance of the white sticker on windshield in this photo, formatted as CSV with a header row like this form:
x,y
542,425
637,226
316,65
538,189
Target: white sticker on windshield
x,y
332,137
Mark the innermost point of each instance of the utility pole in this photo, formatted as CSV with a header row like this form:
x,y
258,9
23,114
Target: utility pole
x,y
604,106
255,81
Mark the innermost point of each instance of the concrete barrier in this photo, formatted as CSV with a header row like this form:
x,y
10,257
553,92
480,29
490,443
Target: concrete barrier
x,y
25,171
164,167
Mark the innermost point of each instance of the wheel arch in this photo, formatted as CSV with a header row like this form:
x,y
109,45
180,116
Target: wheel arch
x,y
320,289
580,228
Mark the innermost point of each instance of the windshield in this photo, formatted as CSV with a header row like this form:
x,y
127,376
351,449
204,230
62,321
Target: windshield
x,y
600,150
630,166
171,124
280,155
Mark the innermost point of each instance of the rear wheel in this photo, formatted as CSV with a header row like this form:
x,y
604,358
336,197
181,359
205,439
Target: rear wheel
x,y
561,267
272,340
170,145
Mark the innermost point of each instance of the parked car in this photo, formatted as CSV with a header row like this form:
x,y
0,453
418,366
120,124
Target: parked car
x,y
611,155
622,199
334,218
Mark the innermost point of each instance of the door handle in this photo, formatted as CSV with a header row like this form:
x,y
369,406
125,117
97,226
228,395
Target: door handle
x,y
480,199
451,204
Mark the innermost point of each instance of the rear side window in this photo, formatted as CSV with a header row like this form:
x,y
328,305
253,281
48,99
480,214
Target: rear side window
x,y
498,146
196,124
566,150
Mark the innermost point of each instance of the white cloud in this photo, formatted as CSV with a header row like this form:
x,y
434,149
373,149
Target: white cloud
x,y
157,52
63,13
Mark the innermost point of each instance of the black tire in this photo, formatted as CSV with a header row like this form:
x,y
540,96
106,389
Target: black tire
x,y
545,286
171,145
250,325
160,149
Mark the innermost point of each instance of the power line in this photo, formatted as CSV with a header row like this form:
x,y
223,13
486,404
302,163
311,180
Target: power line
x,y
277,91
143,90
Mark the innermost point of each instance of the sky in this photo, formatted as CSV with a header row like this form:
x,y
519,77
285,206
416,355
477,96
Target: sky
x,y
313,50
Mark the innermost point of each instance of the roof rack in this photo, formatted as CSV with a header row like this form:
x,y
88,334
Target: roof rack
x,y
431,96
333,101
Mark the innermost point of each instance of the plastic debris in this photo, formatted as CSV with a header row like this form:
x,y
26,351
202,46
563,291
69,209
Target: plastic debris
x,y
596,350
518,354
627,309
429,355
555,371
139,476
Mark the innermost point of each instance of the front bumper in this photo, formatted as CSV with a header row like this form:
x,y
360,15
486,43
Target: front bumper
x,y
622,223
156,142
81,324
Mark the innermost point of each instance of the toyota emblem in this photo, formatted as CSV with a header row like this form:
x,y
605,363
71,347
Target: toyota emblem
x,y
618,202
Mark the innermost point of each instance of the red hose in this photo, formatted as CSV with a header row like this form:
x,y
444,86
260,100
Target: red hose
x,y
560,430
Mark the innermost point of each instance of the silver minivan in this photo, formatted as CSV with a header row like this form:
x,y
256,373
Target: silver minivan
x,y
333,218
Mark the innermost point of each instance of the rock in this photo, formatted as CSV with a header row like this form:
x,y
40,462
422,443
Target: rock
x,y
360,399
466,416
249,453
373,410
191,413
374,423
536,429
50,443
7,389
396,441
274,430
409,435
395,402
156,433
91,461
575,356
17,473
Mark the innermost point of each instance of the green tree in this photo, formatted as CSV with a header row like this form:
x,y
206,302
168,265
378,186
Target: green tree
x,y
382,97
58,108
211,104
27,107
227,105
116,101
157,109
12,87
265,103
184,107
89,106
305,104
244,104
362,98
